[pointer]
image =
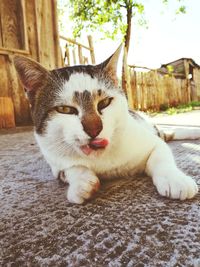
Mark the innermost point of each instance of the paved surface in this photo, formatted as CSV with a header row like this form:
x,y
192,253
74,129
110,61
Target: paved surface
x,y
127,224
191,118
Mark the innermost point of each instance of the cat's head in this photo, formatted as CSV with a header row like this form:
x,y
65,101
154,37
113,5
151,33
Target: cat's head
x,y
75,105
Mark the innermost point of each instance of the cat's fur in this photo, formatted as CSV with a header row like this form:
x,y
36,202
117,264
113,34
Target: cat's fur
x,y
133,144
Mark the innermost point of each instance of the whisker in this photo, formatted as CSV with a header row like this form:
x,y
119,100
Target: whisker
x,y
61,147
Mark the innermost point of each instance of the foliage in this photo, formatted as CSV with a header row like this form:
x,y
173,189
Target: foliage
x,y
173,111
108,16
170,70
195,104
180,108
181,9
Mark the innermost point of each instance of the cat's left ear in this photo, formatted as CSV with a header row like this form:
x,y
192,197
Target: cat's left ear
x,y
32,75
109,66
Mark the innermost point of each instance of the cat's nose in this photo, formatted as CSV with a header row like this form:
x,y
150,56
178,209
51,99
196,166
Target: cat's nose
x,y
92,125
94,132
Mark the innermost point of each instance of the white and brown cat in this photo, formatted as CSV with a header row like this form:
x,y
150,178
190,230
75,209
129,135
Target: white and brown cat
x,y
86,131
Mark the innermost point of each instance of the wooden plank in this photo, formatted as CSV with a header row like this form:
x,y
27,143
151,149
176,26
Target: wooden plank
x,y
24,25
196,78
186,67
1,38
85,60
73,41
21,105
37,23
43,33
7,118
48,47
7,51
31,25
133,87
58,55
80,55
74,56
90,41
4,80
11,20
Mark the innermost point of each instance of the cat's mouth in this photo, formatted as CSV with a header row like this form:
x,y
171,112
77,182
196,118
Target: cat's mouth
x,y
94,145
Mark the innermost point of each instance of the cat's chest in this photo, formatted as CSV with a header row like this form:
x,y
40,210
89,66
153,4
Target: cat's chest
x,y
125,159
119,166
124,170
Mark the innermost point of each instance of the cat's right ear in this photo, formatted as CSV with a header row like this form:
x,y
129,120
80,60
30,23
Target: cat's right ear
x,y
109,66
32,75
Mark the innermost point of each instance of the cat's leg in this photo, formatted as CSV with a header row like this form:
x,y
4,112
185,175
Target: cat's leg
x,y
83,183
168,179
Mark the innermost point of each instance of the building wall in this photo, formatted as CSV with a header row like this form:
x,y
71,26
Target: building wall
x,y
196,78
27,28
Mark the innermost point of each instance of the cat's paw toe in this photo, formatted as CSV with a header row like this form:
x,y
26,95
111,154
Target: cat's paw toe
x,y
180,187
83,189
62,177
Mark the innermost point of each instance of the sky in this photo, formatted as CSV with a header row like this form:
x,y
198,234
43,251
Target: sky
x,y
167,38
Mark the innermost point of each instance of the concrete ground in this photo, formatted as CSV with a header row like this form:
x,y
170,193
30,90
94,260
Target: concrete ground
x,y
126,224
191,118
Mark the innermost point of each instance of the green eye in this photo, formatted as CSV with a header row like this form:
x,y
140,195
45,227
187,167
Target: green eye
x,y
104,103
67,110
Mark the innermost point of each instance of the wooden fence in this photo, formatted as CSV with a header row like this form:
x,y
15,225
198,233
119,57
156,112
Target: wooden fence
x,y
152,91
77,53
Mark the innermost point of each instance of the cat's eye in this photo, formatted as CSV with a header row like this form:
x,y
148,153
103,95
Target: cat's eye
x,y
104,103
66,110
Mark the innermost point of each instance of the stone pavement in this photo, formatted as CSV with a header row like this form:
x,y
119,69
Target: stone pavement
x,y
126,224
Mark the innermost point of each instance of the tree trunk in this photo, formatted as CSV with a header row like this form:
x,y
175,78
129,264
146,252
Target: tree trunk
x,y
125,84
128,30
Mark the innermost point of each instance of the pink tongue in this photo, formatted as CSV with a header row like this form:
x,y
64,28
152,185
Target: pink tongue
x,y
94,145
98,143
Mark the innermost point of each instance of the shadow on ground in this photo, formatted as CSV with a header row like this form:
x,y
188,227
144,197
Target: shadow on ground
x,y
127,224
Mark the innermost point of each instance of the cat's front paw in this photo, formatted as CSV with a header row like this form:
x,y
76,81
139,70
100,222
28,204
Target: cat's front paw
x,y
176,185
83,188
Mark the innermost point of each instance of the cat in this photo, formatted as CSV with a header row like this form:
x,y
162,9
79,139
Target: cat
x,y
86,132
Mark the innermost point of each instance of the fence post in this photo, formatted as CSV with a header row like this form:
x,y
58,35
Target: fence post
x,y
74,55
133,82
80,55
91,49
